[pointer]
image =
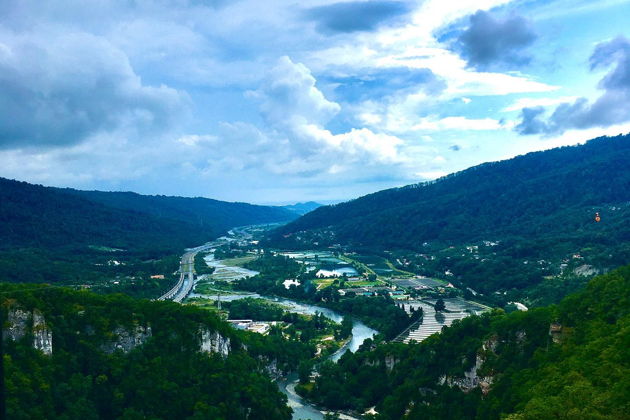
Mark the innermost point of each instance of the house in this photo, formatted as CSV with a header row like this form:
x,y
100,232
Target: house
x,y
290,282
359,291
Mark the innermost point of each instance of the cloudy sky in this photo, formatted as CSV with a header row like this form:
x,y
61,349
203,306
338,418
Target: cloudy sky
x,y
281,101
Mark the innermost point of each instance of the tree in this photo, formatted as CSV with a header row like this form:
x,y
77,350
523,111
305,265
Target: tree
x,y
439,305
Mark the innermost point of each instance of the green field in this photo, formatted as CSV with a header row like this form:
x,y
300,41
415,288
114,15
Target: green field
x,y
323,283
364,283
238,262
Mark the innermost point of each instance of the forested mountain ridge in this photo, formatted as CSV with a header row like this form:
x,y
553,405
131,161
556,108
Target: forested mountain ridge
x,y
570,361
71,355
45,217
198,211
554,192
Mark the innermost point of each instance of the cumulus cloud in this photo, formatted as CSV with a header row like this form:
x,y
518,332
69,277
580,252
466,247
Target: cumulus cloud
x,y
612,107
291,103
492,42
356,16
295,139
59,89
289,93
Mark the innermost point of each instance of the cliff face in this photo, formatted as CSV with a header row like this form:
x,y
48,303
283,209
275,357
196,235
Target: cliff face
x,y
127,339
213,342
30,324
472,377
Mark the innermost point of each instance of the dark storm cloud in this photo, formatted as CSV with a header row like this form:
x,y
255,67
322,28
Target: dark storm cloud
x,y
60,89
491,42
612,107
356,16
384,82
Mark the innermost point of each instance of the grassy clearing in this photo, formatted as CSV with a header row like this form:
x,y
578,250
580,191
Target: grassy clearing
x,y
364,283
323,283
398,271
238,262
208,304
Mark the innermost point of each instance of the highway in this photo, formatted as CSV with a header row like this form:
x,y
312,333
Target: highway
x,y
186,275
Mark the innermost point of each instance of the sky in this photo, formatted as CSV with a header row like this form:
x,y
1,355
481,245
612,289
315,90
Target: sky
x,y
284,101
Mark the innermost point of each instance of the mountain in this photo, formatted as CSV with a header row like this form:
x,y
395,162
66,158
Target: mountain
x,y
45,217
570,361
302,208
519,224
551,192
198,211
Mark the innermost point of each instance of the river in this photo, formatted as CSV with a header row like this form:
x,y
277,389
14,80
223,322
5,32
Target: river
x,y
360,332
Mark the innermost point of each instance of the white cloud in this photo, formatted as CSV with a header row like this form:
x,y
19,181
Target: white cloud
x,y
298,111
196,139
289,96
457,123
521,103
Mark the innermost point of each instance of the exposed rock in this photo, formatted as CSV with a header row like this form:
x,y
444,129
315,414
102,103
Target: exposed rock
x,y
42,336
491,344
213,342
271,368
389,361
21,323
555,331
127,339
470,380
586,270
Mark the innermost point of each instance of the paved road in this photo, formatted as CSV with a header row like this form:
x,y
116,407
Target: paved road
x,y
186,275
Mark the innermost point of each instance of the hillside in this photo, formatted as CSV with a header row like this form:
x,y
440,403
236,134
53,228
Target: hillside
x,y
524,225
202,213
555,192
71,355
569,361
44,217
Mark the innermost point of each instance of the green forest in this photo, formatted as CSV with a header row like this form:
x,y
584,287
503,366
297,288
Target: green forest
x,y
33,216
164,375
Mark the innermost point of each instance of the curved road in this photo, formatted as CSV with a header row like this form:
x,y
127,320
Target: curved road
x,y
186,275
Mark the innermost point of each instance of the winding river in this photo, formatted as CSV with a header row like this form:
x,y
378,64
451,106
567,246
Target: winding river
x,y
360,332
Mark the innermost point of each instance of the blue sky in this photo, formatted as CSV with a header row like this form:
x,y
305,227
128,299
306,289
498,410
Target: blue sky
x,y
281,101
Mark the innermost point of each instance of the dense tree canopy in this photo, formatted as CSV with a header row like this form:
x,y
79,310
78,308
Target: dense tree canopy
x,y
166,376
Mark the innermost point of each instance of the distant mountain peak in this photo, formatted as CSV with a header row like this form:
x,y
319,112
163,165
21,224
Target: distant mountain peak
x,y
302,208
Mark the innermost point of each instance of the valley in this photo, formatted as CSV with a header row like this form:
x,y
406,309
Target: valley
x,y
345,314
